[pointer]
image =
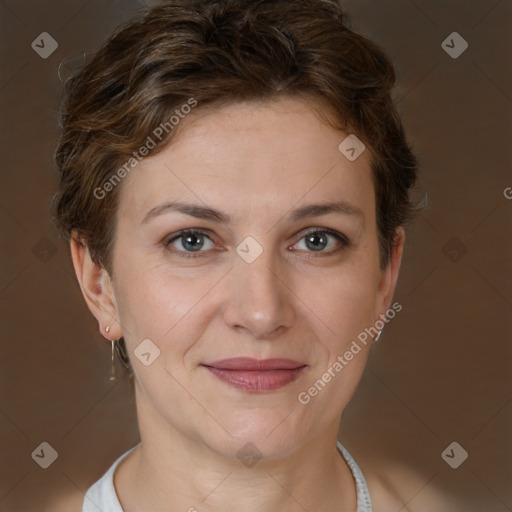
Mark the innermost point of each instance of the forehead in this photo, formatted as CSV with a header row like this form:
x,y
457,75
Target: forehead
x,y
250,159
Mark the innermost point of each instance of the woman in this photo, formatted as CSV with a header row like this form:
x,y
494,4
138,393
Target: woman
x,y
234,186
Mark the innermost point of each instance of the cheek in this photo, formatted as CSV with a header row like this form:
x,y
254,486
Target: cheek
x,y
155,303
345,302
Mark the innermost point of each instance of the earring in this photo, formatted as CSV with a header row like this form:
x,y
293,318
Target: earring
x,y
121,353
119,347
113,373
377,337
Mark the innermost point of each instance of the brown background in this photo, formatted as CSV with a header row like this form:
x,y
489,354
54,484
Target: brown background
x,y
441,370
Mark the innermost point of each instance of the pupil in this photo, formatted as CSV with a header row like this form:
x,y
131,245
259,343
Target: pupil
x,y
194,245
310,241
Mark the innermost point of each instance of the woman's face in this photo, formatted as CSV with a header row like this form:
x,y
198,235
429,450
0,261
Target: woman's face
x,y
253,283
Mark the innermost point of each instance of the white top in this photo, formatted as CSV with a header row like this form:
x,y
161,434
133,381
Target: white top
x,y
102,497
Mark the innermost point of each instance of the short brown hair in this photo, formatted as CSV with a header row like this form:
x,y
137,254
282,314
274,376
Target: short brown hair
x,y
220,52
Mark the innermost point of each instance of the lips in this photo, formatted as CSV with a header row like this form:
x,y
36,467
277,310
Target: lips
x,y
260,375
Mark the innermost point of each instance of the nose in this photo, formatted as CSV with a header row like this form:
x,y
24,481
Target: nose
x,y
259,300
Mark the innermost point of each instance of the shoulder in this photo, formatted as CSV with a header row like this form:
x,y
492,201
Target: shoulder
x,y
402,489
102,494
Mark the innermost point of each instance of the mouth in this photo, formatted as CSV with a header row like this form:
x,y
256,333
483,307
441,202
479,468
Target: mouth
x,y
258,375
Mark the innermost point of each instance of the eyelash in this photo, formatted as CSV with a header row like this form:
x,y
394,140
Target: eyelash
x,y
344,241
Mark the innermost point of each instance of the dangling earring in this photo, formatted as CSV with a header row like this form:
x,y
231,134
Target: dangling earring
x,y
119,347
113,374
121,352
377,337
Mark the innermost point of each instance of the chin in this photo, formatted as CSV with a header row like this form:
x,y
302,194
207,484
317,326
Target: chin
x,y
270,434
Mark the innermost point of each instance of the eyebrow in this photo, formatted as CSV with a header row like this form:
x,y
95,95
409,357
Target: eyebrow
x,y
207,213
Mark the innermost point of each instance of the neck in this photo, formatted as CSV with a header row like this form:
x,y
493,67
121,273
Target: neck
x,y
173,468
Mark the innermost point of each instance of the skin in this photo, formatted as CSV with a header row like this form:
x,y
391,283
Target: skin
x,y
256,162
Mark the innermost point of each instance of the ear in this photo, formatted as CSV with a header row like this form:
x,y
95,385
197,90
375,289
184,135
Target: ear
x,y
389,275
96,286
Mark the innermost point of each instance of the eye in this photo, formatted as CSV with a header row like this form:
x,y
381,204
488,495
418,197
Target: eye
x,y
188,242
192,243
318,239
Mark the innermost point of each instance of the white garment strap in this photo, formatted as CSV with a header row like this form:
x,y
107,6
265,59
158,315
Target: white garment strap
x,y
364,502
